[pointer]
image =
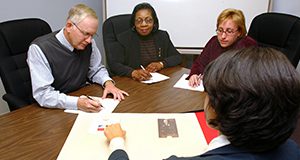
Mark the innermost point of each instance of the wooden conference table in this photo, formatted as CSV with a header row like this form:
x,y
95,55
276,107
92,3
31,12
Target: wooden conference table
x,y
33,132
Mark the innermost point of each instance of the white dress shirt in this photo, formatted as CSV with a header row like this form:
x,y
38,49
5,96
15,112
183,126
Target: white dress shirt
x,y
42,78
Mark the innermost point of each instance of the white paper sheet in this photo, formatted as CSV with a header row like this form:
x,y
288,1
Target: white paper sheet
x,y
156,77
142,137
184,84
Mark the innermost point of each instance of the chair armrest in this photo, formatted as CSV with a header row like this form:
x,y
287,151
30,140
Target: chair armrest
x,y
14,102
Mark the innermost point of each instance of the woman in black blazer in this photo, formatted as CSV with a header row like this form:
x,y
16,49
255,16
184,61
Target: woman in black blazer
x,y
142,45
252,99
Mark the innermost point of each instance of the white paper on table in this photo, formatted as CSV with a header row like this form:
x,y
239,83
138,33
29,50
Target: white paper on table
x,y
156,77
108,105
184,84
140,129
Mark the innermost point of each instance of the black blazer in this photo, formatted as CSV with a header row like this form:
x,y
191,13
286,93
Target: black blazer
x,y
125,54
289,150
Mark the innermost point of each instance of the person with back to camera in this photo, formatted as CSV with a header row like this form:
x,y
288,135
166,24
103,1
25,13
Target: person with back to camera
x,y
231,34
253,100
63,61
144,44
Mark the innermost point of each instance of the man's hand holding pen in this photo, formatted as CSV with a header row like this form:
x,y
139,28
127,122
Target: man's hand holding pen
x,y
88,104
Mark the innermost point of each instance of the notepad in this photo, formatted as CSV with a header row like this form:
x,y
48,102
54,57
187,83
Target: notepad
x,y
184,84
156,77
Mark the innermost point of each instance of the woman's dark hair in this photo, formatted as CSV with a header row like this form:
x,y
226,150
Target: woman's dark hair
x,y
255,93
153,13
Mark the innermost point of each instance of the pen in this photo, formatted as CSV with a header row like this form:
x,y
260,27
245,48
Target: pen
x,y
145,70
142,67
197,81
200,76
89,97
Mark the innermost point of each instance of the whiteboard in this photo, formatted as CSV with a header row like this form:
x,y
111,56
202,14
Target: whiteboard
x,y
190,23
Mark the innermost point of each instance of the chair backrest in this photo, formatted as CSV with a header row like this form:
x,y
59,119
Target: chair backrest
x,y
15,38
280,31
111,28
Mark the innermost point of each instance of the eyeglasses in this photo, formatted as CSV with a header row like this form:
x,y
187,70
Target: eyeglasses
x,y
85,34
228,32
147,20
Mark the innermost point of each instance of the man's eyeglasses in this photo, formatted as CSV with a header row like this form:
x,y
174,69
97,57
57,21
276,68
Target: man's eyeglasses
x,y
147,20
228,32
85,34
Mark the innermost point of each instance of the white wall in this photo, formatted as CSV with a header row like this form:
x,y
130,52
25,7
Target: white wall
x,y
52,11
192,12
287,6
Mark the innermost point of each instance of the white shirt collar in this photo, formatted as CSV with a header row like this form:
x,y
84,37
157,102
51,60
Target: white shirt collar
x,y
62,39
218,142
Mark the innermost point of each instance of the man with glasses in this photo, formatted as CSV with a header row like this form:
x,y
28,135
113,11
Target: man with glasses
x,y
65,60
231,34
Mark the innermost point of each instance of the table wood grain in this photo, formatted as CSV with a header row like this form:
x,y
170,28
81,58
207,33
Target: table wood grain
x,y
34,132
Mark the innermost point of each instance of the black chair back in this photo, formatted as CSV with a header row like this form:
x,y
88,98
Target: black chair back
x,y
111,28
15,38
279,31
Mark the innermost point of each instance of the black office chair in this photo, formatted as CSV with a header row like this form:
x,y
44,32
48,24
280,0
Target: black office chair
x,y
15,38
111,28
280,31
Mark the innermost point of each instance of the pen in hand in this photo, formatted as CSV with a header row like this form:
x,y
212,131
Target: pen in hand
x,y
143,67
89,97
195,80
146,74
200,76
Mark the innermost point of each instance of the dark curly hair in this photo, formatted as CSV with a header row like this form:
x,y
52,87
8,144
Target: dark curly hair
x,y
255,93
153,13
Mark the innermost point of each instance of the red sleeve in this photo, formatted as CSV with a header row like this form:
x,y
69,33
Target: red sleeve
x,y
205,57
